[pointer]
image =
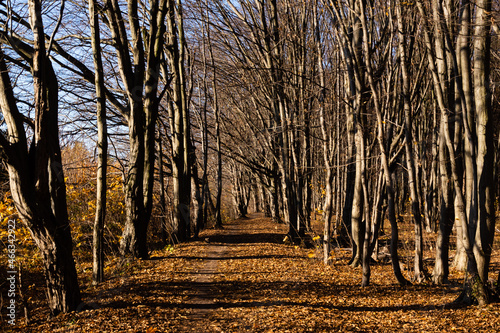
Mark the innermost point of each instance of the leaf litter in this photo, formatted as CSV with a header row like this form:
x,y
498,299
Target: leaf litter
x,y
245,279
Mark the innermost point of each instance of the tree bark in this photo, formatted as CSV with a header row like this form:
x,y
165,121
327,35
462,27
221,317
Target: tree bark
x,y
175,46
102,148
486,182
35,173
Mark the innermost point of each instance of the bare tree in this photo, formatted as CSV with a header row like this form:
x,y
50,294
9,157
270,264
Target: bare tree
x,y
34,163
139,71
470,224
175,48
102,147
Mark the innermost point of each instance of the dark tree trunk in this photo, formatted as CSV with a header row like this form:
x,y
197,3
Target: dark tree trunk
x,y
139,70
180,123
36,174
447,217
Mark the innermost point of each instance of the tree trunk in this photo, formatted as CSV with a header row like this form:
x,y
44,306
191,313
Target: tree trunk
x,y
486,182
175,46
382,147
139,70
372,230
327,206
475,288
357,225
102,149
446,220
410,159
163,201
36,174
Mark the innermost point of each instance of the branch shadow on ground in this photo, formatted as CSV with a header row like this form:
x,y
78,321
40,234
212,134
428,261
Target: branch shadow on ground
x,y
245,294
246,238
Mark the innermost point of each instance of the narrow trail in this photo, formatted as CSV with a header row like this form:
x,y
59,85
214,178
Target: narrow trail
x,y
203,299
219,245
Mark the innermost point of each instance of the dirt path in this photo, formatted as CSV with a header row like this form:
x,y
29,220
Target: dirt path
x,y
204,298
220,245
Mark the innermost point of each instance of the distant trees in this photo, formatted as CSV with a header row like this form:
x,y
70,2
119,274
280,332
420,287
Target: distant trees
x,y
400,140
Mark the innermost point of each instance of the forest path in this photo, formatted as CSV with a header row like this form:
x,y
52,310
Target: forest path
x,y
223,245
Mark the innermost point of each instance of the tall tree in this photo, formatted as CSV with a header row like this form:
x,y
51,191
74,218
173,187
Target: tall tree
x,y
35,168
175,49
102,147
139,69
472,235
485,225
409,141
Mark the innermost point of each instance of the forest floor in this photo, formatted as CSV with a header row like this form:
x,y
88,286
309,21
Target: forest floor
x,y
245,279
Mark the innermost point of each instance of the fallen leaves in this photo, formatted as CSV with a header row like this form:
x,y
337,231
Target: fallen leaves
x,y
246,280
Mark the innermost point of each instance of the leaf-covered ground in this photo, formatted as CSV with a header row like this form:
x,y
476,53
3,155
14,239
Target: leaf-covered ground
x,y
245,279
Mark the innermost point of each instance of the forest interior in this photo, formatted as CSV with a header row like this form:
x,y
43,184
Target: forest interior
x,y
249,165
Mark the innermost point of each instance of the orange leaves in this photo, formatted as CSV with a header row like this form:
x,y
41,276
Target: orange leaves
x,y
80,171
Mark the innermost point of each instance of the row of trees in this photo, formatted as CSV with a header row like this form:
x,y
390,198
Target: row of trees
x,y
391,97
369,100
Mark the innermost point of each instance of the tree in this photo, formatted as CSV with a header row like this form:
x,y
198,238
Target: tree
x,y
476,232
140,74
35,168
182,149
409,140
102,147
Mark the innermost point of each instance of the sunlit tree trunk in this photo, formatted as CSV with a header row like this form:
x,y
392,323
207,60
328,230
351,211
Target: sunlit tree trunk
x,y
352,36
410,158
470,185
475,288
102,148
327,152
441,265
382,146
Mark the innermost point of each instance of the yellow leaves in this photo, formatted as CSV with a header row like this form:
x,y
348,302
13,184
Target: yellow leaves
x,y
8,214
7,207
311,254
315,238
